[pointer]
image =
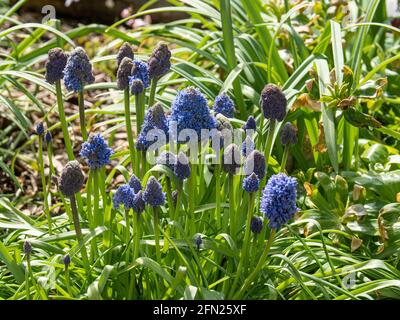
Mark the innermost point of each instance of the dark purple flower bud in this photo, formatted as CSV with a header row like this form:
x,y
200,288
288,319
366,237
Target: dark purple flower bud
x,y
231,159
66,260
48,138
256,224
182,167
198,241
40,129
27,248
288,134
250,124
273,102
251,183
125,51
55,65
138,203
72,178
255,162
123,73
135,183
153,194
159,61
137,86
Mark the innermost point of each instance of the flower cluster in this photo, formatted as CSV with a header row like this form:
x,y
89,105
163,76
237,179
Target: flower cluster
x,y
159,61
251,183
153,194
126,196
273,102
250,124
55,65
256,224
224,105
140,71
255,162
78,70
96,151
124,72
72,178
288,134
278,201
124,52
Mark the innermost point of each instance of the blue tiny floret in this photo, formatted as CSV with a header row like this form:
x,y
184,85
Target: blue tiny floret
x,y
135,183
251,183
140,71
153,194
123,196
96,151
224,105
78,70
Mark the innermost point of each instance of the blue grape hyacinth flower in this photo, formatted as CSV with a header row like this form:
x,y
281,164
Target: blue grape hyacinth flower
x,y
159,61
78,70
182,166
138,203
154,120
140,71
250,124
273,102
153,194
224,105
248,146
96,151
190,111
255,162
256,224
278,200
123,196
135,183
251,183
39,129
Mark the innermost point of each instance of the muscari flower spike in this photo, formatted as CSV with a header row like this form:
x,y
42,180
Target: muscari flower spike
x,y
167,158
78,70
39,129
140,71
256,224
48,138
123,196
250,124
251,183
66,260
96,151
72,178
159,61
55,65
135,183
153,194
255,162
154,119
278,200
231,159
248,146
27,248
136,86
198,241
138,203
182,167
124,72
273,102
190,111
125,51
288,134
224,105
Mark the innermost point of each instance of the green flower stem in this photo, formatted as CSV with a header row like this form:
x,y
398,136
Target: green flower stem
x,y
27,277
96,199
156,233
79,236
257,269
129,125
137,230
231,206
89,213
63,120
67,280
191,185
268,144
44,184
246,243
169,198
127,233
178,201
143,162
284,158
153,88
218,195
139,101
81,103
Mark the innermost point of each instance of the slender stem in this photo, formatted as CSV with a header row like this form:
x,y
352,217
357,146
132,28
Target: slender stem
x,y
285,157
156,234
63,120
218,195
136,251
192,180
67,281
257,269
81,103
127,233
231,206
96,210
169,198
143,162
79,236
268,144
152,91
44,184
129,125
246,243
27,277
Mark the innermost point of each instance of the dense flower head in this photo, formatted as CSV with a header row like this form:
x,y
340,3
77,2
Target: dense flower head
x,y
138,203
135,183
136,86
55,65
250,124
78,70
288,134
224,105
96,151
182,167
251,183
231,159
198,241
278,200
66,260
273,102
167,158
124,195
27,248
140,71
248,146
255,162
159,61
47,137
153,194
256,224
72,178
125,51
124,72
153,120
190,111
39,129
